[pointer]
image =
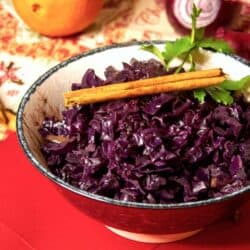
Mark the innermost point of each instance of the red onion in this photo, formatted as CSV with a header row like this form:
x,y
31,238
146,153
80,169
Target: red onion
x,y
215,13
183,10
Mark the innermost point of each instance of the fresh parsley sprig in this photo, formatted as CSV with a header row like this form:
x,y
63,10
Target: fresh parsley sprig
x,y
184,49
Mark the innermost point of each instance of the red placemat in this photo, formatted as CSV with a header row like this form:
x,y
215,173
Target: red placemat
x,y
33,215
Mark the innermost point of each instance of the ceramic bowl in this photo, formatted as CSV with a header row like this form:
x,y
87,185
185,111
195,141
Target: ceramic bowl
x,y
137,221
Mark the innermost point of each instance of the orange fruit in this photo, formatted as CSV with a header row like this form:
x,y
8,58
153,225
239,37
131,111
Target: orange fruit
x,y
57,18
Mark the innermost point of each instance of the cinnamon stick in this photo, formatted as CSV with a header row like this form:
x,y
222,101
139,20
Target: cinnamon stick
x,y
175,82
151,81
141,91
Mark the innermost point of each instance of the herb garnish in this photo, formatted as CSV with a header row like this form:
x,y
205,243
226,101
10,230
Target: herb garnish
x,y
184,49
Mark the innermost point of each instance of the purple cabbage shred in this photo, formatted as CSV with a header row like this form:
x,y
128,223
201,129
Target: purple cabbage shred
x,y
166,148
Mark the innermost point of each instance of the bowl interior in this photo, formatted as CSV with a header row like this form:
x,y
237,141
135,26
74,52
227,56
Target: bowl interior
x,y
45,97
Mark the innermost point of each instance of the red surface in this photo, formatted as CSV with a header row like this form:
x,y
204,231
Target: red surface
x,y
33,215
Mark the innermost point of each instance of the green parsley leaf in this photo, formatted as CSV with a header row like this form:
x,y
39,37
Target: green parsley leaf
x,y
154,50
184,48
220,95
177,48
216,44
200,94
235,85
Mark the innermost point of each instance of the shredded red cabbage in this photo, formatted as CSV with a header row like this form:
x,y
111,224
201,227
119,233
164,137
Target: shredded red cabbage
x,y
165,148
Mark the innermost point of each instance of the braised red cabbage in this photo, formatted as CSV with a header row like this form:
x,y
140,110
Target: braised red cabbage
x,y
165,148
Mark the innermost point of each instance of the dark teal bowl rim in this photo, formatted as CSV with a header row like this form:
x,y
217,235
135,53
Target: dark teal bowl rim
x,y
55,179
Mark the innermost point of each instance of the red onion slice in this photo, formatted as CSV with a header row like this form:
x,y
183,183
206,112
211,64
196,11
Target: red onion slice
x,y
183,9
